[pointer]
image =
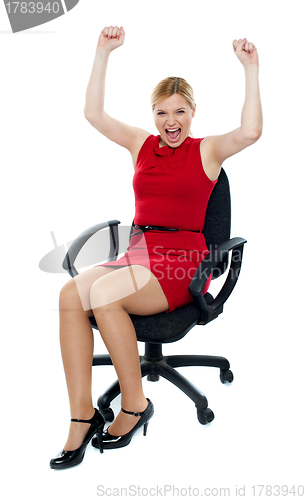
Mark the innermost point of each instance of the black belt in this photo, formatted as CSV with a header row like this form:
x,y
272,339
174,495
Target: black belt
x,y
161,228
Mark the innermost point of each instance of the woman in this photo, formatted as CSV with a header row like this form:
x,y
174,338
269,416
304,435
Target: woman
x,y
173,172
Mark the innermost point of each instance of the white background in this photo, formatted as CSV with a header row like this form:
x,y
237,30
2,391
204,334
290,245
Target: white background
x,y
59,174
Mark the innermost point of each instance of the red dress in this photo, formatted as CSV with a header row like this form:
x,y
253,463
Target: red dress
x,y
171,190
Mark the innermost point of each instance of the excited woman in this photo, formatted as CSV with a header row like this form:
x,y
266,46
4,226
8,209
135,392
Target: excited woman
x,y
173,180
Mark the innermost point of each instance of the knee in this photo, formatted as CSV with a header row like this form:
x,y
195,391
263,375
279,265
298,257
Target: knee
x,y
69,295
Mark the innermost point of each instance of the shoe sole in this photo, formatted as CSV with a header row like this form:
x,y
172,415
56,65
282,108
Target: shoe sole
x,y
65,466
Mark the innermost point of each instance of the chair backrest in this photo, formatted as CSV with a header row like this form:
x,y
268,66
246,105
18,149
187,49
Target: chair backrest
x,y
217,225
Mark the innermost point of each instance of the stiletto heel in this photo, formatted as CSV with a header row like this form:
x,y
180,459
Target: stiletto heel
x,y
100,440
66,458
110,441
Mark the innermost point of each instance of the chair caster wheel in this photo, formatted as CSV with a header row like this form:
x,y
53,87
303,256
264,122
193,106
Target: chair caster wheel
x,y
226,376
205,416
153,377
107,414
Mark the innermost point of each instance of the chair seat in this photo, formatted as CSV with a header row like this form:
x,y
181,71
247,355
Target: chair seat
x,y
165,327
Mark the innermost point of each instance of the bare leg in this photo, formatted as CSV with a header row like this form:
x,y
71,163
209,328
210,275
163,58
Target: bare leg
x,y
142,295
113,300
76,341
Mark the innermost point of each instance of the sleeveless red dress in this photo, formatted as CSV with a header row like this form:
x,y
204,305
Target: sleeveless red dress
x,y
171,190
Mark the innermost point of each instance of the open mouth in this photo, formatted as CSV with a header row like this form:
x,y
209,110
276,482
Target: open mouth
x,y
173,134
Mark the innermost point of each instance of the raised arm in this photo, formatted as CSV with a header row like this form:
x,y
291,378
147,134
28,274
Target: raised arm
x,y
220,147
125,135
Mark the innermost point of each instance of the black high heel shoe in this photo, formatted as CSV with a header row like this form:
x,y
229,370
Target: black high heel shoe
x,y
110,442
67,459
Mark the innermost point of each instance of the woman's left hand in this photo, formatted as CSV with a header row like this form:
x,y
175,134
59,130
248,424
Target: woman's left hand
x,y
246,52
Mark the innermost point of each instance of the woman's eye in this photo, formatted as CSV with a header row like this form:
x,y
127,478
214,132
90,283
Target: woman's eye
x,y
162,113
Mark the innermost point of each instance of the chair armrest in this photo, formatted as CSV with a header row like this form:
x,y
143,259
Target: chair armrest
x,y
79,242
208,264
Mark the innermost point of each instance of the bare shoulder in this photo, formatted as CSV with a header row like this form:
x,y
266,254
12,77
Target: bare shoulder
x,y
141,136
211,164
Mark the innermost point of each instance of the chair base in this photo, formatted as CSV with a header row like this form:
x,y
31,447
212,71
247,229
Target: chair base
x,y
154,364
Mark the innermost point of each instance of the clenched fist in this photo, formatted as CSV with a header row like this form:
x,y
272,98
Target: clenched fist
x,y
245,51
111,37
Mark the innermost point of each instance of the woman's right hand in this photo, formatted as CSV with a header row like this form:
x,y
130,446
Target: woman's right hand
x,y
111,38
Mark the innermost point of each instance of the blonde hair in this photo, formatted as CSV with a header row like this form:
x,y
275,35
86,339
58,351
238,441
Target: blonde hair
x,y
172,85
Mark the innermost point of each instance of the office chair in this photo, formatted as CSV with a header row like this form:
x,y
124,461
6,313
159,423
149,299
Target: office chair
x,y
161,328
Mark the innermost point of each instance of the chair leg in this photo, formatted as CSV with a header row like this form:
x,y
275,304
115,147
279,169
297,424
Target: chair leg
x,y
182,383
111,393
197,360
156,364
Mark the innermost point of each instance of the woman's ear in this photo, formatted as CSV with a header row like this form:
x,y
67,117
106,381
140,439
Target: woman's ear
x,y
193,111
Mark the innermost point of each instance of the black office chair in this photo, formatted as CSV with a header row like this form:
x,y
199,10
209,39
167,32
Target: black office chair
x,y
161,328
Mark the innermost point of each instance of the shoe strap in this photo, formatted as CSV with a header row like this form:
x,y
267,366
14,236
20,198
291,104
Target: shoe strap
x,y
83,421
135,413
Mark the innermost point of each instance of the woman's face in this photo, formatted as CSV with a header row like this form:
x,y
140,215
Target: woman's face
x,y
171,114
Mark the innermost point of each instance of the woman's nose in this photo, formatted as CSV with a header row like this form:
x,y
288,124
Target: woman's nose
x,y
171,123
